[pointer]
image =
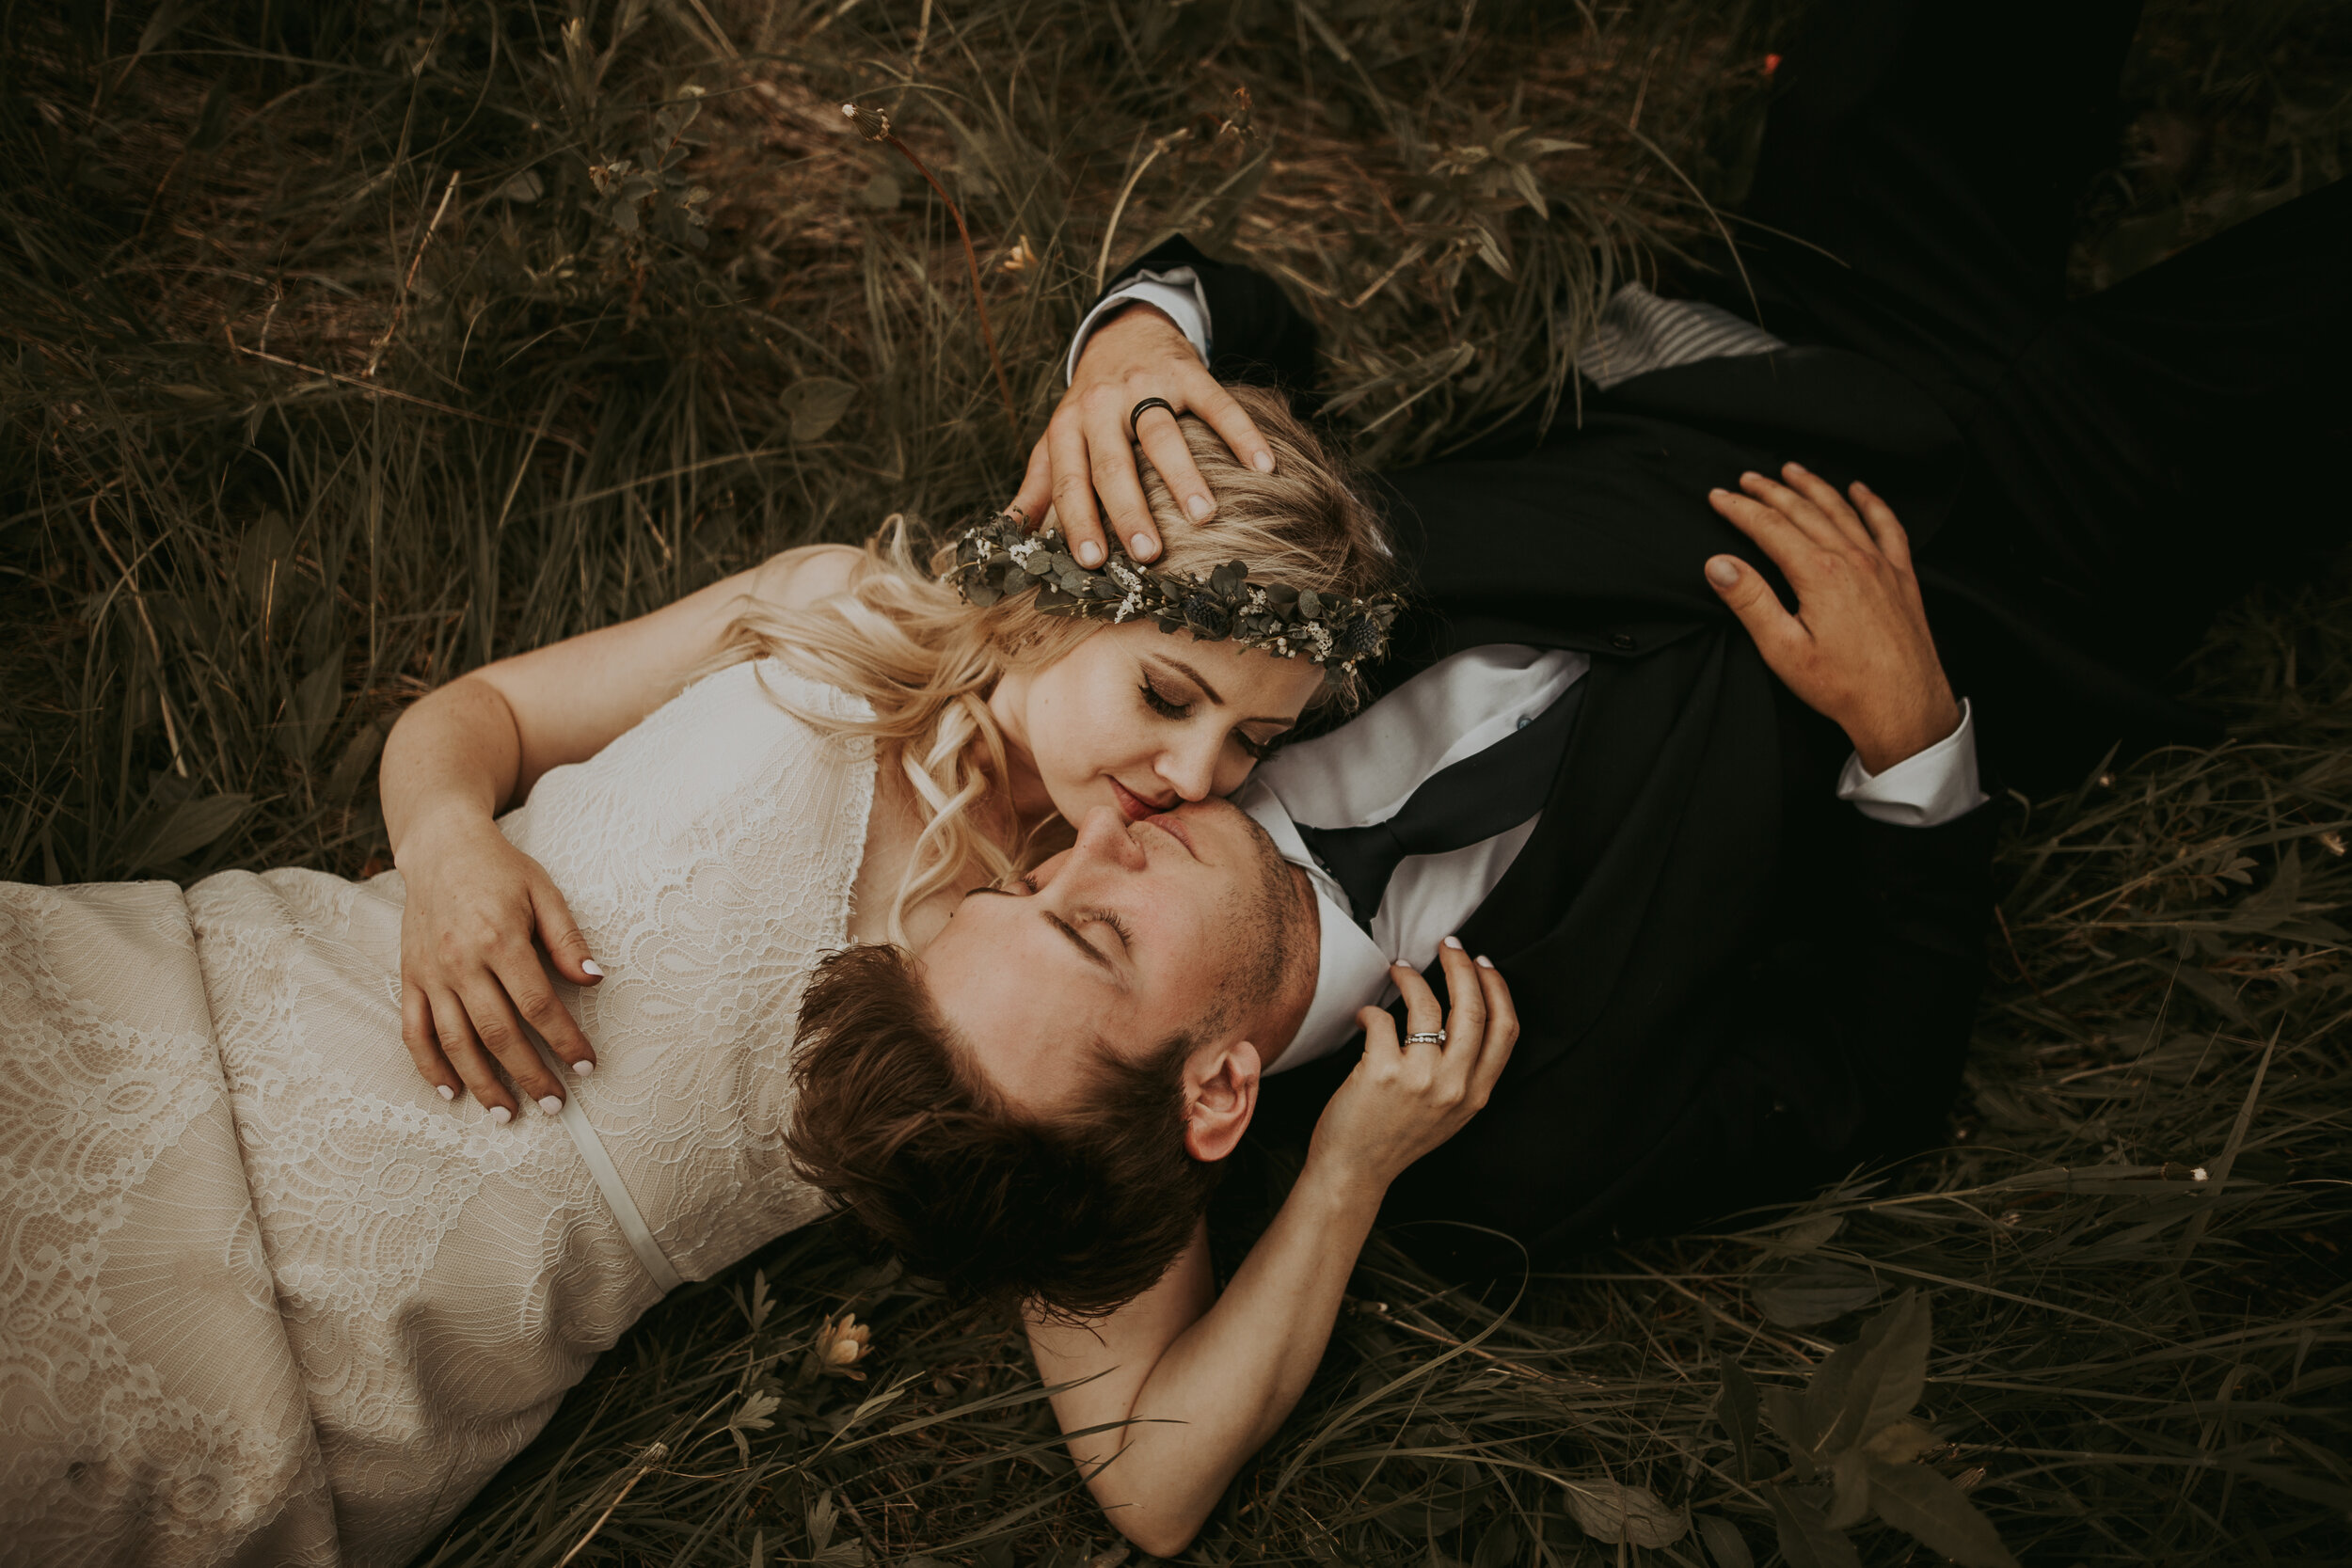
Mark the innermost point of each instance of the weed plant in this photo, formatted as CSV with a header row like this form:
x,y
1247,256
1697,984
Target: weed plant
x,y
355,342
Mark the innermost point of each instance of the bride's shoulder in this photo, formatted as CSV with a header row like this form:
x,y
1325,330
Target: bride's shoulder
x,y
804,577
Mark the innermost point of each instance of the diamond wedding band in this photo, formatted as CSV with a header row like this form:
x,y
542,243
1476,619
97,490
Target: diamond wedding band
x,y
1432,1037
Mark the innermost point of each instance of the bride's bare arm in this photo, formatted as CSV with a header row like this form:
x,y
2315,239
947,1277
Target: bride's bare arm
x,y
1182,1384
470,974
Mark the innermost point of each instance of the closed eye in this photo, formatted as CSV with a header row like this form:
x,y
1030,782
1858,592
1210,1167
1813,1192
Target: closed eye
x,y
1169,707
1160,701
1119,926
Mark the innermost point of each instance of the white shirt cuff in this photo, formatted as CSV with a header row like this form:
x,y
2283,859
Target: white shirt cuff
x,y
1176,294
1924,790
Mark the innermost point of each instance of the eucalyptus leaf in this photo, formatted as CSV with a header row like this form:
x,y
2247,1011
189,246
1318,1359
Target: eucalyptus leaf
x,y
1613,1511
1802,1295
1499,1546
1737,1408
1785,1408
1722,1540
1916,1498
1849,1488
351,768
815,405
317,697
1872,1382
184,829
1807,1539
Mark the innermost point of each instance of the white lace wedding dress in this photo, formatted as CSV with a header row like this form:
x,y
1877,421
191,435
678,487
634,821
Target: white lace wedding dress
x,y
268,1299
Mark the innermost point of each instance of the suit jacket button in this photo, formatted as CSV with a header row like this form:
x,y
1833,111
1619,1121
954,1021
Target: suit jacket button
x,y
1622,642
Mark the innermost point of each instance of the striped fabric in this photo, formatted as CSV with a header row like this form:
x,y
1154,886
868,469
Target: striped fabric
x,y
1638,332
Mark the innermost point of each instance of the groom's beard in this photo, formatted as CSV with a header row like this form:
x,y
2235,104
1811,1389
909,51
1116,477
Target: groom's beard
x,y
1269,952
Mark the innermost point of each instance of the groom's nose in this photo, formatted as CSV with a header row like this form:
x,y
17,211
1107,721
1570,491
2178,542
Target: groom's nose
x,y
1105,839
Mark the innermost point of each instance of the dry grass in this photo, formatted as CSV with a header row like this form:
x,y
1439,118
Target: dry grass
x,y
332,375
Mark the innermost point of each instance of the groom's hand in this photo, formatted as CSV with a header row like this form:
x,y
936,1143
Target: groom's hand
x,y
1857,648
1087,451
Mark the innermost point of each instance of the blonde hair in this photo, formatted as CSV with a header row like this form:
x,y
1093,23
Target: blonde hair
x,y
926,662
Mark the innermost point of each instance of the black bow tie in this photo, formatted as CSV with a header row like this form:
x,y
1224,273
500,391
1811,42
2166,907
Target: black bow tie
x,y
1455,807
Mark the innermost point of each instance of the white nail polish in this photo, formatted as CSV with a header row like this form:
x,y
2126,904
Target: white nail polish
x,y
1089,554
583,1067
1454,942
551,1105
1263,462
1139,546
589,966
1484,962
447,1093
1199,508
501,1115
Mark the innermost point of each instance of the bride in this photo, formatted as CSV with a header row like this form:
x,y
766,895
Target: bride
x,y
270,1298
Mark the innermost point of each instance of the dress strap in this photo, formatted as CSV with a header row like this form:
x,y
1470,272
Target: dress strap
x,y
599,1163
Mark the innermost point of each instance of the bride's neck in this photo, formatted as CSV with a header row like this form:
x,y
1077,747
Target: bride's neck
x,y
1020,796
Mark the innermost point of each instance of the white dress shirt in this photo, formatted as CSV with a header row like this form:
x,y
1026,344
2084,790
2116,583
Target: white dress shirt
x,y
1364,771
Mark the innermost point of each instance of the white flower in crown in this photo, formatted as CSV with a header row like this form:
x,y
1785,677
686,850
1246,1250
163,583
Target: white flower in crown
x,y
1024,551
1127,607
1126,577
1320,638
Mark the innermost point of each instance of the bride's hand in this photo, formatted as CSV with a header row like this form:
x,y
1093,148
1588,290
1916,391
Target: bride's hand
x,y
1087,451
470,975
1404,1100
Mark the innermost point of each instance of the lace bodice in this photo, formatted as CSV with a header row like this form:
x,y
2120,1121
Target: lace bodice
x,y
272,1298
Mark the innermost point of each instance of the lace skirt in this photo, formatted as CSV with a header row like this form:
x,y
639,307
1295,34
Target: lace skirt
x,y
151,1409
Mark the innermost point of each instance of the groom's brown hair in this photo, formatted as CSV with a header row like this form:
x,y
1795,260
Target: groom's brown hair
x,y
1075,1216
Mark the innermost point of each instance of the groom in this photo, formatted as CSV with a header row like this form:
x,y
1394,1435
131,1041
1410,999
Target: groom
x,y
1732,856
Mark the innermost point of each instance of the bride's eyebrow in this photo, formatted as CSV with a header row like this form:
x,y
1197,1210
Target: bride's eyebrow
x,y
1210,691
1191,675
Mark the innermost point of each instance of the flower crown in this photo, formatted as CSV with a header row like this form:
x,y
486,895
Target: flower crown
x,y
998,557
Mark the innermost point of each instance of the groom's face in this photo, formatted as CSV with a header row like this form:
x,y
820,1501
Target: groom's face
x,y
1184,922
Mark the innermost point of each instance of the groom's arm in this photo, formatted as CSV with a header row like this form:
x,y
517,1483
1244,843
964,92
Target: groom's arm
x,y
1165,1398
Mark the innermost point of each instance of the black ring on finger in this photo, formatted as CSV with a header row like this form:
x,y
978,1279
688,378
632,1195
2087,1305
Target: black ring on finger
x,y
1140,409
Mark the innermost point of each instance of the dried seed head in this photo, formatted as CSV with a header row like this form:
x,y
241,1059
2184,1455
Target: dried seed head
x,y
871,124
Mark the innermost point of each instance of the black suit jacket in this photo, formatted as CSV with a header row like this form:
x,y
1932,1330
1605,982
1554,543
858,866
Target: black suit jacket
x,y
1730,983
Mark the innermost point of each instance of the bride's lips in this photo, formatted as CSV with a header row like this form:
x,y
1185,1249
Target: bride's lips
x,y
1131,805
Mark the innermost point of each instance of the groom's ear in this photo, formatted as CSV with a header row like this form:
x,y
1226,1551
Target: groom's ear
x,y
1220,1096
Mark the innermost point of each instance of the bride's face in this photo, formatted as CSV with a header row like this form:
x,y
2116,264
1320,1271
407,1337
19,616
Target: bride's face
x,y
1142,720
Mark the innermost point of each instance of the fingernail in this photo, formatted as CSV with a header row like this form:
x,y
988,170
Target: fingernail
x,y
447,1093
1719,493
1199,508
1484,962
551,1105
501,1115
1140,546
1751,474
583,1067
1263,462
589,966
1454,942
1089,554
1722,573
1797,467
